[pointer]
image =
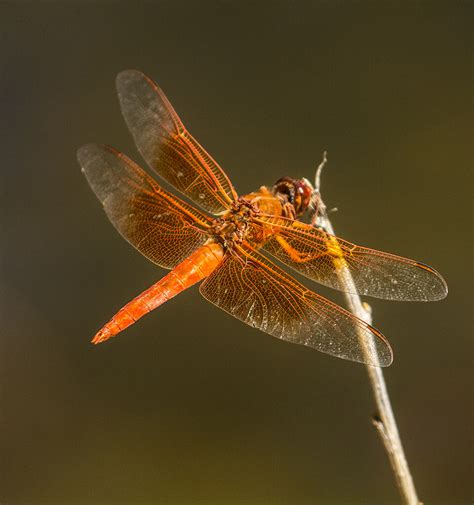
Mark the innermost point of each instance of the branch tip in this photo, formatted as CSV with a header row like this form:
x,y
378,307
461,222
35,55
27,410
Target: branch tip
x,y
317,176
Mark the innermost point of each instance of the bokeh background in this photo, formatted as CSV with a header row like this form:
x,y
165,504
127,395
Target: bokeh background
x,y
190,406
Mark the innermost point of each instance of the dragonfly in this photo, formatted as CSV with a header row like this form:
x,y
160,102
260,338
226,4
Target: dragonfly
x,y
227,242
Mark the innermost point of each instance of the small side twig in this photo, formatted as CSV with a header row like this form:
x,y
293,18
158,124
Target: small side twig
x,y
384,420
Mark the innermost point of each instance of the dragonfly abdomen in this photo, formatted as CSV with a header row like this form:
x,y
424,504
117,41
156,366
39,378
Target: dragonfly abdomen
x,y
193,269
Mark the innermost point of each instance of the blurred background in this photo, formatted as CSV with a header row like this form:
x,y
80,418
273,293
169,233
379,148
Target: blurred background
x,y
190,406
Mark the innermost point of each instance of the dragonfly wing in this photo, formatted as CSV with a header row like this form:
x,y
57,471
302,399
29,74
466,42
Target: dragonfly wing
x,y
319,256
162,227
252,289
168,147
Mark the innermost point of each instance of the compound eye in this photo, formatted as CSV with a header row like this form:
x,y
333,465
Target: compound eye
x,y
285,186
304,191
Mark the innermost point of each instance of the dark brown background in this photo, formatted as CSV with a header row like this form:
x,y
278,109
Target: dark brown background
x,y
190,406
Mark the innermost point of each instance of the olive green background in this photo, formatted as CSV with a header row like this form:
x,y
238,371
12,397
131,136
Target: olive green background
x,y
190,406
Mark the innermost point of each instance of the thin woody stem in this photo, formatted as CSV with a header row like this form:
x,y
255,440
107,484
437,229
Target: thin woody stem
x,y
384,420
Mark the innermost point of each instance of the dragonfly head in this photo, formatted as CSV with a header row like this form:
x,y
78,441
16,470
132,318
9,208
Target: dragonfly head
x,y
298,192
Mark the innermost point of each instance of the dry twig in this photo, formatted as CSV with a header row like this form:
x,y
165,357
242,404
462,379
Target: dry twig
x,y
384,420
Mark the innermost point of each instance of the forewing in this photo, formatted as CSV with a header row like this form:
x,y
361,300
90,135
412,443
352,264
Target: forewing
x,y
252,289
318,256
162,227
168,147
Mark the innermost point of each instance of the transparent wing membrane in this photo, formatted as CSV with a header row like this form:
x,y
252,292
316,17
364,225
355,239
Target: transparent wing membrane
x,y
318,255
252,289
162,227
167,146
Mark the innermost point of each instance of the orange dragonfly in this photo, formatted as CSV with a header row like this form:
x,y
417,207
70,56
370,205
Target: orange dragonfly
x,y
222,244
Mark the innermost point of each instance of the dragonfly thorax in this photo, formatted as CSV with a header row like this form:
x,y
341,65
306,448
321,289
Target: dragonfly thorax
x,y
234,225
